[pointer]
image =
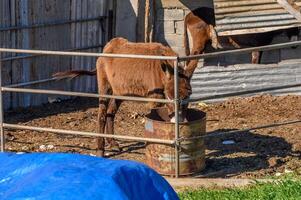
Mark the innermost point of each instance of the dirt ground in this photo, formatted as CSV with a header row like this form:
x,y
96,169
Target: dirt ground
x,y
255,154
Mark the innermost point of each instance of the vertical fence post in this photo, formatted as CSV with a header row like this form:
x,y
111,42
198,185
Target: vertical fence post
x,y
177,129
2,138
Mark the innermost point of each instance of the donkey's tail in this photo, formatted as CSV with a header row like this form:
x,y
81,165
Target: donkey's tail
x,y
74,74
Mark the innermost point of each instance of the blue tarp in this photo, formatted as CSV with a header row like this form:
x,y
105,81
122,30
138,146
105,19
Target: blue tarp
x,y
72,176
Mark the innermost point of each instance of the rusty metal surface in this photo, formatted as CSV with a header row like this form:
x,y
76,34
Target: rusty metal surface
x,y
162,157
239,17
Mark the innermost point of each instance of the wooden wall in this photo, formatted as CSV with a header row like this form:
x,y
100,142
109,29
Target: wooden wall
x,y
59,37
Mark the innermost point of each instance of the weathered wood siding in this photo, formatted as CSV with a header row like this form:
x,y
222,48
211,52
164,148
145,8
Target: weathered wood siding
x,y
58,37
240,17
6,41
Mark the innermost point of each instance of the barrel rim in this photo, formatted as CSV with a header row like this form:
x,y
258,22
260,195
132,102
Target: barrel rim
x,y
181,123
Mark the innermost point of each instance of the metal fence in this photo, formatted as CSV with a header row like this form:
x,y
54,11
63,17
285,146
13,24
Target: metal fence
x,y
176,101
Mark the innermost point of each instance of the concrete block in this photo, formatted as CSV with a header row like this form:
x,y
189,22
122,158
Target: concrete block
x,y
174,40
179,50
165,27
170,14
179,25
186,12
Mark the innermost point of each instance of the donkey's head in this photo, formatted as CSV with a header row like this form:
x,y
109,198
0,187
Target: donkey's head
x,y
169,85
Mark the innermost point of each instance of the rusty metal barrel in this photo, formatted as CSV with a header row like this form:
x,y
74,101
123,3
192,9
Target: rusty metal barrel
x,y
192,152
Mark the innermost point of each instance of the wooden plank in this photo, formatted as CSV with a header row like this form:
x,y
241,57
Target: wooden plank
x,y
259,24
291,8
146,21
17,99
184,4
5,40
254,30
239,9
251,19
77,42
235,17
25,42
242,3
14,34
52,38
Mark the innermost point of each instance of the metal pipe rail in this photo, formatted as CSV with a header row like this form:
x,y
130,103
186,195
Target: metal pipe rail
x,y
81,94
176,101
180,58
15,88
36,55
52,23
31,83
240,51
82,133
87,54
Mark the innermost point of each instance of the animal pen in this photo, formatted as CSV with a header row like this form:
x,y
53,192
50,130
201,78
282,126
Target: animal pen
x,y
80,14
177,140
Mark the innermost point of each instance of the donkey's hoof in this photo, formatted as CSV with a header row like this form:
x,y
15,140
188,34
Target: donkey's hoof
x,y
114,147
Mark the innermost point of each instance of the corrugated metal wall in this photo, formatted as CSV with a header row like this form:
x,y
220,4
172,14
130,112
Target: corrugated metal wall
x,y
240,17
58,37
213,80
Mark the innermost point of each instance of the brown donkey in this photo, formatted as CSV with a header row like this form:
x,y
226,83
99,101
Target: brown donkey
x,y
199,23
133,77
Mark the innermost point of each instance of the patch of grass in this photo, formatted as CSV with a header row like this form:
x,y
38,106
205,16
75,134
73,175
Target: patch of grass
x,y
284,189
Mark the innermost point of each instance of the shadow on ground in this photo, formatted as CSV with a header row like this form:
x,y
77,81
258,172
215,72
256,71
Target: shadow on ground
x,y
251,152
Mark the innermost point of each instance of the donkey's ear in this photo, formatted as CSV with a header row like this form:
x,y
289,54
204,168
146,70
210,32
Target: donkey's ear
x,y
167,69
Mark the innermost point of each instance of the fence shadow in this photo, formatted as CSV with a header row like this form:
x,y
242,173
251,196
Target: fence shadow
x,y
251,152
21,115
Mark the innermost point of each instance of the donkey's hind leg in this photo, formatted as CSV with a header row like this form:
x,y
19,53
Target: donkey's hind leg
x,y
103,88
101,126
111,112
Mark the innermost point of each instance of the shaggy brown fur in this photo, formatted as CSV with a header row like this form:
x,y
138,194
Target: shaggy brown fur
x,y
133,77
